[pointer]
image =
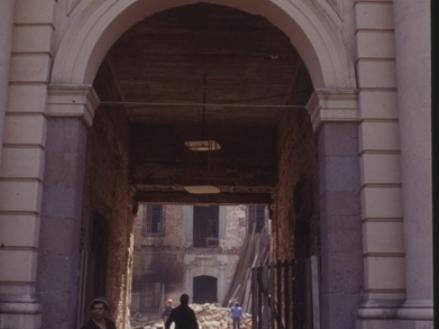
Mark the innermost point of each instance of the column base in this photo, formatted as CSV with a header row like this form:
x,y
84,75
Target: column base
x,y
15,315
393,324
377,313
382,309
417,310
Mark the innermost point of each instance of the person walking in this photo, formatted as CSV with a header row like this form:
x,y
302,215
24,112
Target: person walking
x,y
183,316
98,318
236,314
167,310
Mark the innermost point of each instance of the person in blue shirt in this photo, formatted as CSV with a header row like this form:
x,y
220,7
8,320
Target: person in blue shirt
x,y
236,314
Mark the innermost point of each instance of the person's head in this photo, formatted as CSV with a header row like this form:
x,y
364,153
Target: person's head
x,y
184,299
99,307
169,302
236,304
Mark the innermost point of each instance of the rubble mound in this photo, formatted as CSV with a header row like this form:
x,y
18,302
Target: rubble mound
x,y
209,316
213,316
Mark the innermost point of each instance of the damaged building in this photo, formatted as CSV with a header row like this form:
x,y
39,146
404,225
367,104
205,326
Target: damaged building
x,y
188,249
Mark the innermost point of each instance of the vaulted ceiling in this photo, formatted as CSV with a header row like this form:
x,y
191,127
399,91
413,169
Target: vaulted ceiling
x,y
156,75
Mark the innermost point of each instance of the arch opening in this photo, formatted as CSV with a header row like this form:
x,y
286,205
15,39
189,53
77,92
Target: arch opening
x,y
151,88
316,37
205,289
253,100
151,80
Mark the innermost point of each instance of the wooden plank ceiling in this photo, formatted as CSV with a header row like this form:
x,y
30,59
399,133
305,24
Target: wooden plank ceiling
x,y
156,70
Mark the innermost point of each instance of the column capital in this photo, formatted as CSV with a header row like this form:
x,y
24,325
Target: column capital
x,y
72,101
332,105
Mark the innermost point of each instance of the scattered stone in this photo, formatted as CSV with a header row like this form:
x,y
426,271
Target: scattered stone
x,y
209,316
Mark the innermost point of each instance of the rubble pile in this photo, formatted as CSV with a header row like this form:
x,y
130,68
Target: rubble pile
x,y
213,316
209,316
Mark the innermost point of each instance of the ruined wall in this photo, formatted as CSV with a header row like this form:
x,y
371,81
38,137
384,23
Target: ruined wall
x,y
110,196
236,227
219,262
173,236
171,259
160,256
295,192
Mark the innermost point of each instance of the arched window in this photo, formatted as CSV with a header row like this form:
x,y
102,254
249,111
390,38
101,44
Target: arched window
x,y
205,289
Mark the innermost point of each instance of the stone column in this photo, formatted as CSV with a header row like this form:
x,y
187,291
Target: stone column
x,y
6,25
60,229
379,151
412,34
334,118
24,71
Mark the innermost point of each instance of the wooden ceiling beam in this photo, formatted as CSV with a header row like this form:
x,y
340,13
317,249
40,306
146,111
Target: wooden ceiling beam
x,y
248,177
187,198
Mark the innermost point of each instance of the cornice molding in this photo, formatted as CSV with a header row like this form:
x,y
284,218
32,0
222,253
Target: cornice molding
x,y
339,105
76,101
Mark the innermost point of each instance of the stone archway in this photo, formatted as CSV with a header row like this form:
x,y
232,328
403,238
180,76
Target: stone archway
x,y
315,36
91,36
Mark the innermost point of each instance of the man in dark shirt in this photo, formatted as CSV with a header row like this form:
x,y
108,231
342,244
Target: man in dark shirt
x,y
98,320
183,316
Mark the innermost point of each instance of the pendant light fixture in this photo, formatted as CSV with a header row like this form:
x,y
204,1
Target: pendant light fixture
x,y
205,145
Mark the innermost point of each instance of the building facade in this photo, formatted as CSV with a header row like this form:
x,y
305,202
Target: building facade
x,y
355,163
185,249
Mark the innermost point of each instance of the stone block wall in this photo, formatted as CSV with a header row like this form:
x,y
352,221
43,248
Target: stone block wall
x,y
110,195
295,192
59,259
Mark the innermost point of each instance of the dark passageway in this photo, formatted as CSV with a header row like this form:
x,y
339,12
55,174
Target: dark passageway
x,y
205,289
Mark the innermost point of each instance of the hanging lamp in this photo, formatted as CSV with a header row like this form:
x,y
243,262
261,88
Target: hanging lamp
x,y
203,145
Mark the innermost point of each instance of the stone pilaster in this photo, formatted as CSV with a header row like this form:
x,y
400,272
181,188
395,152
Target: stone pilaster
x,y
379,150
60,228
7,9
23,137
70,112
334,118
412,34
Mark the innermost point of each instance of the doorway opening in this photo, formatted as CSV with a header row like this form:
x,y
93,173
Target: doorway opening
x,y
205,289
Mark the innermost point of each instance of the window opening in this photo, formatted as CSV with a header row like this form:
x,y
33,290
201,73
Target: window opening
x,y
153,220
206,227
256,217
